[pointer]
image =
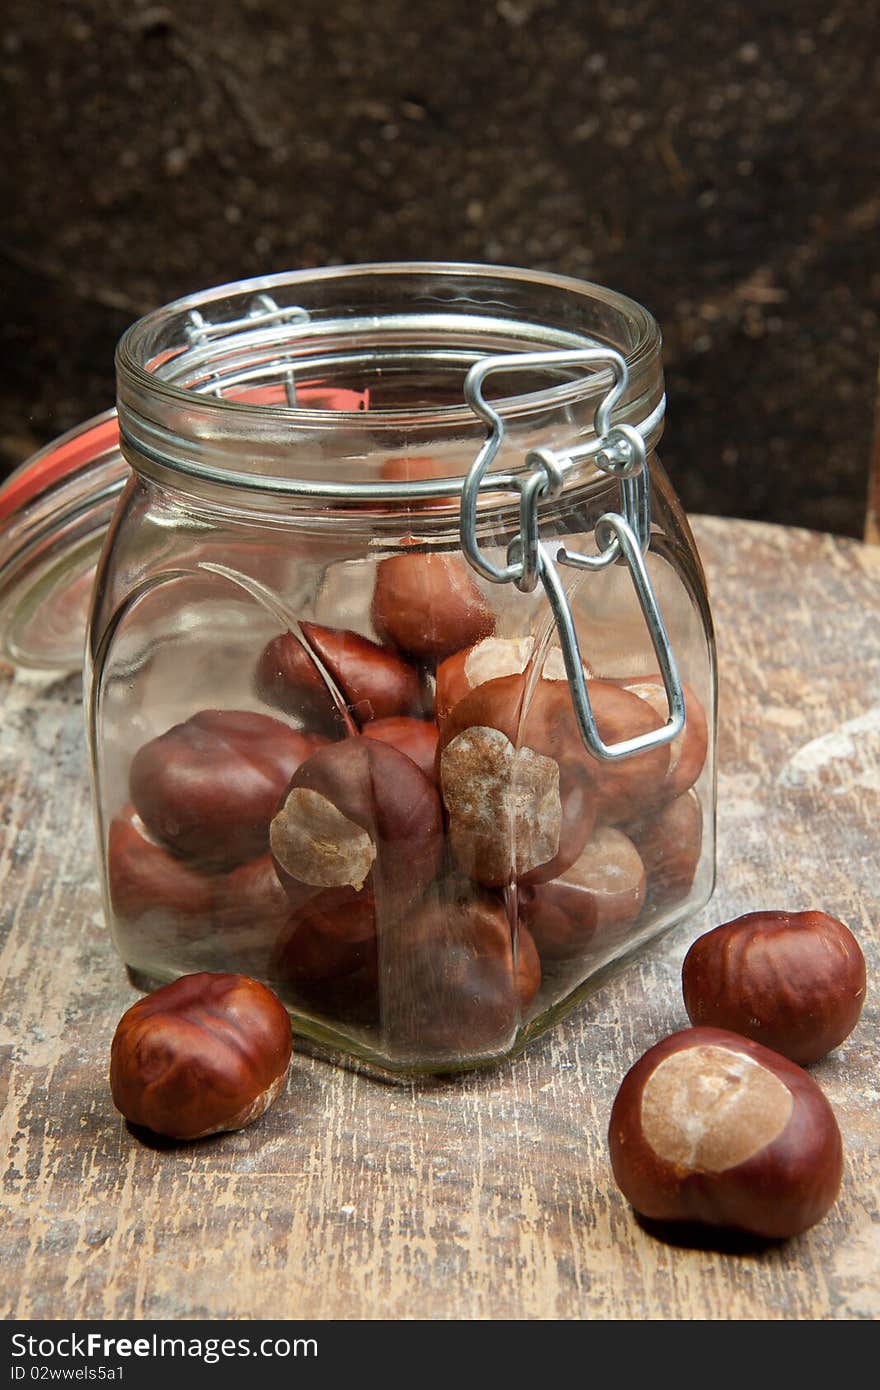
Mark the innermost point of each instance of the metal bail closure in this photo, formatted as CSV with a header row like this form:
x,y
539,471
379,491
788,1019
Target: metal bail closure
x,y
618,532
618,450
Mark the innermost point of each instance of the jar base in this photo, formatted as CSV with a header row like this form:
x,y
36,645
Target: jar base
x,y
341,1049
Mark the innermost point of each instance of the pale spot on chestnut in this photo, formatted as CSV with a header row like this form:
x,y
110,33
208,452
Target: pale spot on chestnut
x,y
371,821
504,806
554,666
497,656
492,659
315,843
710,1108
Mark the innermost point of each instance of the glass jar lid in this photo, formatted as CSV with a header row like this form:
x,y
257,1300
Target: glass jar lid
x,y
54,513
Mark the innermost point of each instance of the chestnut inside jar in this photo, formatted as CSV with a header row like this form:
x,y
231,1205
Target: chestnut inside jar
x,y
357,815
207,789
459,979
362,780
329,956
372,682
589,906
518,786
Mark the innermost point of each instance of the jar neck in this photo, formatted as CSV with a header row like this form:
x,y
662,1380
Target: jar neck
x,y
341,385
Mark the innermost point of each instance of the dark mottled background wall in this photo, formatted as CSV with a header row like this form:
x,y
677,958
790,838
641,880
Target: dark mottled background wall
x,y
717,161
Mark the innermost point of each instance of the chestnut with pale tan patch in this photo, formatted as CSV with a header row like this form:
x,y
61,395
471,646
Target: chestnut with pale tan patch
x,y
546,727
712,1128
488,660
709,1108
359,815
505,812
590,905
497,656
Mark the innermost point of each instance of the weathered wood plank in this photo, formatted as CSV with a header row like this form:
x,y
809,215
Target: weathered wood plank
x,y
872,514
488,1197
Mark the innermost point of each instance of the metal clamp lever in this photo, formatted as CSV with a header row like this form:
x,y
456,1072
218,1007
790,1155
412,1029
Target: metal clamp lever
x,y
617,450
629,548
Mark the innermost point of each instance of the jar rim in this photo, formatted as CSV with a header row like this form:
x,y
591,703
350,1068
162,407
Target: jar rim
x,y
189,409
131,352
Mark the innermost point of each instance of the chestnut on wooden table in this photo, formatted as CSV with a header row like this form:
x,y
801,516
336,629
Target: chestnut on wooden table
x,y
206,1053
794,981
710,1127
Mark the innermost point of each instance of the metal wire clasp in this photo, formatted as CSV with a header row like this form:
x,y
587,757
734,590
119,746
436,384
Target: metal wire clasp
x,y
263,314
618,450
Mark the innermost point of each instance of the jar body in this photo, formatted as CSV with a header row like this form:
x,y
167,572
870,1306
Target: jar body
x,y
329,755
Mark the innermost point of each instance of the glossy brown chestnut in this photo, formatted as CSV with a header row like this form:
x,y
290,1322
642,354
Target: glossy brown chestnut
x,y
148,884
712,1128
250,913
429,605
330,936
488,660
373,682
670,840
794,981
358,813
628,787
619,791
208,1052
251,894
687,753
417,738
208,788
452,982
329,955
518,785
592,902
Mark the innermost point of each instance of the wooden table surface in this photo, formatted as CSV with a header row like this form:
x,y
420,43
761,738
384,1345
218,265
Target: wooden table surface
x,y
488,1197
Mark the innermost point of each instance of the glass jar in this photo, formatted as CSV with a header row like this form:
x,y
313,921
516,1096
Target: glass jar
x,y
400,672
